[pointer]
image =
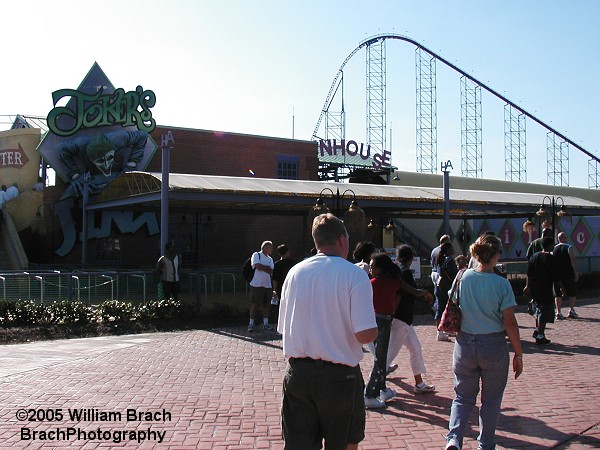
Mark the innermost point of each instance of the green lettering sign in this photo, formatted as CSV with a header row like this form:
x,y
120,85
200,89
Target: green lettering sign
x,y
101,110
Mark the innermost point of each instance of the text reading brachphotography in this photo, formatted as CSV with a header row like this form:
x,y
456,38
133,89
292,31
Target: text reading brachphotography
x,y
81,433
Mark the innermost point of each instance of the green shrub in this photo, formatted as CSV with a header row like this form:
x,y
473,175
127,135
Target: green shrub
x,y
28,312
160,309
8,312
116,311
222,310
70,312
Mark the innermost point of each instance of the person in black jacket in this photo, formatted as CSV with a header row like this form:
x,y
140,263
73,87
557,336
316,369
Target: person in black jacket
x,y
542,273
403,333
569,275
447,272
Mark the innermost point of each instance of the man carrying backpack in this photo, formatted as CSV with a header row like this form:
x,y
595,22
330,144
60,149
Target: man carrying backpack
x,y
261,291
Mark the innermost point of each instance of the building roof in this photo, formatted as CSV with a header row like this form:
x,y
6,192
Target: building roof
x,y
236,194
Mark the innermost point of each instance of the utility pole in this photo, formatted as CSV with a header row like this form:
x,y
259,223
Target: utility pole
x,y
446,166
164,190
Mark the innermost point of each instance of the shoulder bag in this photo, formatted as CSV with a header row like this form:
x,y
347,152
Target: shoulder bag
x,y
450,321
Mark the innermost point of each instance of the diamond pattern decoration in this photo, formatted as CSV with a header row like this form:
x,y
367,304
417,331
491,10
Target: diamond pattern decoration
x,y
581,236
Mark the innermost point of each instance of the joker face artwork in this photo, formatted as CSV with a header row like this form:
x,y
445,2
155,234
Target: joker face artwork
x,y
104,156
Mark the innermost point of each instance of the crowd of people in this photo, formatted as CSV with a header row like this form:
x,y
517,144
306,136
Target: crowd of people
x,y
330,307
8,193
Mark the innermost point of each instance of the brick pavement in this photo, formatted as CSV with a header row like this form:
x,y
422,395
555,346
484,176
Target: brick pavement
x,y
222,391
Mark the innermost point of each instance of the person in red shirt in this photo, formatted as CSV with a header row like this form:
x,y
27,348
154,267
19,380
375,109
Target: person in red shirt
x,y
385,282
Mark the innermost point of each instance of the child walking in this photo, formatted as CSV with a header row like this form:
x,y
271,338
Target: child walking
x,y
402,331
386,283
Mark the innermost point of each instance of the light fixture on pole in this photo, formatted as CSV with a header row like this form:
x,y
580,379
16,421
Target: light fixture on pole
x,y
318,209
390,227
545,215
355,218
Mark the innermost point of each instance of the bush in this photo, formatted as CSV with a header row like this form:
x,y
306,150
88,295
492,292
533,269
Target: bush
x,y
7,312
70,312
160,309
222,310
27,312
115,311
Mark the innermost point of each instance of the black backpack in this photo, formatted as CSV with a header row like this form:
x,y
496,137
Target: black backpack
x,y
247,270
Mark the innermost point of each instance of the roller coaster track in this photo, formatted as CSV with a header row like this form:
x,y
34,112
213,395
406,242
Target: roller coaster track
x,y
381,37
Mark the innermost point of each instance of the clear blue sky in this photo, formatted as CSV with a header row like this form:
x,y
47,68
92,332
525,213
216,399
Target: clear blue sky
x,y
244,66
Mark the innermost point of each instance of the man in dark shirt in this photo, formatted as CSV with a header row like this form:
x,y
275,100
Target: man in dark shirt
x,y
536,244
542,273
569,275
282,267
280,271
435,270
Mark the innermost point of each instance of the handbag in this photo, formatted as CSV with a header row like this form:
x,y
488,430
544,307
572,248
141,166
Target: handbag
x,y
450,321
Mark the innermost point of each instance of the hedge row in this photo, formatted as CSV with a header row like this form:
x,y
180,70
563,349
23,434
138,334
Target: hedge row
x,y
28,312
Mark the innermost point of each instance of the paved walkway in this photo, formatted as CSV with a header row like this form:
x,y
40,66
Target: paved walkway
x,y
221,389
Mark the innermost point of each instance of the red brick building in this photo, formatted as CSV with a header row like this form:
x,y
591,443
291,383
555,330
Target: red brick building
x,y
205,237
219,153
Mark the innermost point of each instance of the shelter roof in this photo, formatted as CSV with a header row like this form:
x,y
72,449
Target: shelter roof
x,y
244,194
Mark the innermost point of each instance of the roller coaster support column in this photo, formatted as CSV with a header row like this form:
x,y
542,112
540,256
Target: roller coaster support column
x,y
446,166
164,191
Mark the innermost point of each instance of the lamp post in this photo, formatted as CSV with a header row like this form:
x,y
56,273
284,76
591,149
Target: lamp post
x,y
354,218
164,190
337,199
553,203
446,166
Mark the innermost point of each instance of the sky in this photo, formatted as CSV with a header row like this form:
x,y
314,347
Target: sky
x,y
265,67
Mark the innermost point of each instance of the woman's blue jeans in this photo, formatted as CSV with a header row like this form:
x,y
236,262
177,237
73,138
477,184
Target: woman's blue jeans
x,y
478,357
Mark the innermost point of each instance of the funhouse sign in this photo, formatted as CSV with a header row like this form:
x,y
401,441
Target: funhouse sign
x,y
352,152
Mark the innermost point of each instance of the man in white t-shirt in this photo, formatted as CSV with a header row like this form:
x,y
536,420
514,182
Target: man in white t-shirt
x,y
326,314
261,291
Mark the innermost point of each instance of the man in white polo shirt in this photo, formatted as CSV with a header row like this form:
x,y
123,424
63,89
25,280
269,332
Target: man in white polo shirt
x,y
261,291
326,315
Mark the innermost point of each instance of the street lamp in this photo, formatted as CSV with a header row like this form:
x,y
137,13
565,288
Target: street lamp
x,y
318,209
553,203
320,206
354,218
338,200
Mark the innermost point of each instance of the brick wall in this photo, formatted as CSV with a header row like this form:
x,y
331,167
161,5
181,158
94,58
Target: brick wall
x,y
230,154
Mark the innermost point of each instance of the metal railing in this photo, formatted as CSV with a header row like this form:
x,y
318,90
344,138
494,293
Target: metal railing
x,y
95,286
206,287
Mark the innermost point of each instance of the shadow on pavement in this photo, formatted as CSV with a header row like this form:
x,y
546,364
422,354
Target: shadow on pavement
x,y
266,338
